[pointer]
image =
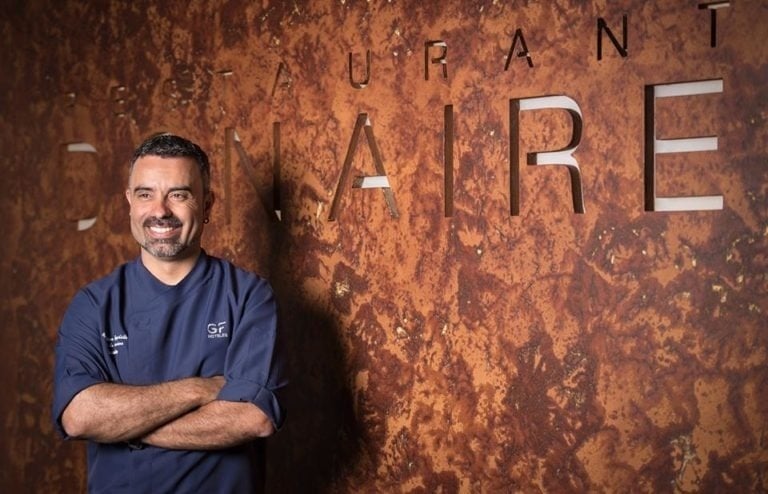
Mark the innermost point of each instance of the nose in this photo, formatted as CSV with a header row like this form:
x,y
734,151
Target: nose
x,y
160,208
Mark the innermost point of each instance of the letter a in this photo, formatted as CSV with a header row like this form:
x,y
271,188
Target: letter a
x,y
283,78
522,53
379,181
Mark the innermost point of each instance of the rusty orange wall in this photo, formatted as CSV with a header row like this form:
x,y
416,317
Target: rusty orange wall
x,y
611,351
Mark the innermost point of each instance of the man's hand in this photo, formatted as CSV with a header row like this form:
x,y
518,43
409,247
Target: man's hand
x,y
110,412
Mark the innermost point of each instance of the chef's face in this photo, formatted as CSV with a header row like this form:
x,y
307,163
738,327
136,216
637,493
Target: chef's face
x,y
168,206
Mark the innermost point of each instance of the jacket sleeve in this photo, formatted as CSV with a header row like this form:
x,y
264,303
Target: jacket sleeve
x,y
254,364
80,358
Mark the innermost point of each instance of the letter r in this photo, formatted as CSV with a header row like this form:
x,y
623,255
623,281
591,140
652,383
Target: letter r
x,y
559,157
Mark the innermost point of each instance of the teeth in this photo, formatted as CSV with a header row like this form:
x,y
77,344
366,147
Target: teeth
x,y
158,229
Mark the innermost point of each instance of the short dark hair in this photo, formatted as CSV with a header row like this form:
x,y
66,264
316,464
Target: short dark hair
x,y
173,146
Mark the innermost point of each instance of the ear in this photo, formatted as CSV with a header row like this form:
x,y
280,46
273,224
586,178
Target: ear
x,y
209,200
128,195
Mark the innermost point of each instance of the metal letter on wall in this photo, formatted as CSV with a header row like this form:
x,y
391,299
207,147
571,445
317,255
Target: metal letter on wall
x,y
276,172
229,140
441,59
179,90
560,157
83,147
379,181
118,99
367,79
448,159
654,146
233,139
522,53
603,26
712,7
283,78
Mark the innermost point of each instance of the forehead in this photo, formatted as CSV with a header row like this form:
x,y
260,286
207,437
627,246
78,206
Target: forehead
x,y
158,170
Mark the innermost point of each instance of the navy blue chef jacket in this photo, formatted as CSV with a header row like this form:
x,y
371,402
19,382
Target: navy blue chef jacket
x,y
129,328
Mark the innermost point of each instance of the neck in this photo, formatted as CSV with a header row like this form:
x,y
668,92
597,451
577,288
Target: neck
x,y
169,271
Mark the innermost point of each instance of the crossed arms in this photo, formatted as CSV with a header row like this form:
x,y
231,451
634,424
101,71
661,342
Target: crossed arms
x,y
182,414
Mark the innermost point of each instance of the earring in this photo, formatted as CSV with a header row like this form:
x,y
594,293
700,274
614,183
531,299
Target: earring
x,y
206,221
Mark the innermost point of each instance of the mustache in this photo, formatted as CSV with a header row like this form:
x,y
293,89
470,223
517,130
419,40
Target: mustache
x,y
170,222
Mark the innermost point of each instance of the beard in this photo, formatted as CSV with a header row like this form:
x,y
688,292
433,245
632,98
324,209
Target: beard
x,y
163,248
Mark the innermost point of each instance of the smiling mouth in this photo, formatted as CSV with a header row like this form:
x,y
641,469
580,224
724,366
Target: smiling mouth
x,y
161,230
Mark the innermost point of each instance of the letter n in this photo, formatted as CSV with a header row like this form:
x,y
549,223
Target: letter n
x,y
603,26
232,139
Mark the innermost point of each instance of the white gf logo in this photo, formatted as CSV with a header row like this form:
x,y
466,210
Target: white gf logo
x,y
217,330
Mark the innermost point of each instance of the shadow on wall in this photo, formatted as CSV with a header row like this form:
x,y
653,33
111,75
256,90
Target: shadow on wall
x,y
321,437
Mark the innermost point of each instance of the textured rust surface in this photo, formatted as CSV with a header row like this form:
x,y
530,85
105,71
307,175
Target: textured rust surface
x,y
612,351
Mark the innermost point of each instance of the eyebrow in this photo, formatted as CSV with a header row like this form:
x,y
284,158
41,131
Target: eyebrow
x,y
142,188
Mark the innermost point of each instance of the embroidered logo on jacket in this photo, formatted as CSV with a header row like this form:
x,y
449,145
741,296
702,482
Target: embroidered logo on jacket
x,y
218,330
115,341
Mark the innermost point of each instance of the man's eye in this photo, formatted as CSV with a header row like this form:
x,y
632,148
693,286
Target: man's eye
x,y
179,196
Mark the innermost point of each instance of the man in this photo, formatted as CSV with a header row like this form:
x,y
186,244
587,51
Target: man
x,y
169,365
